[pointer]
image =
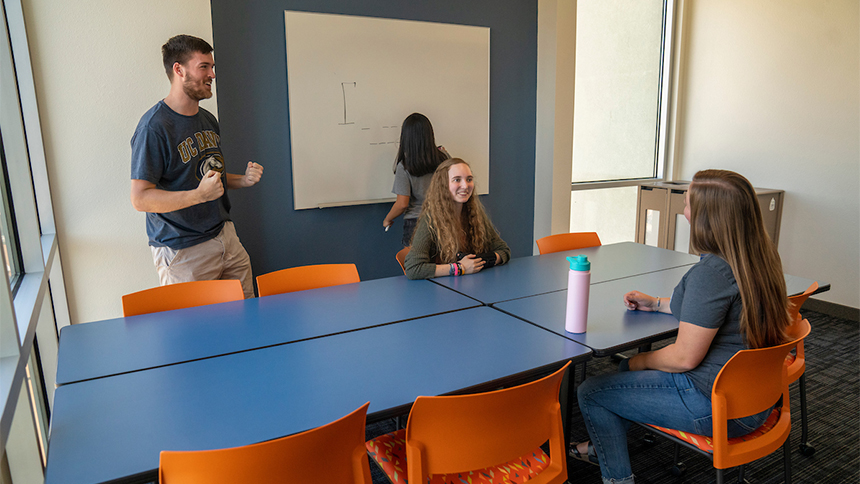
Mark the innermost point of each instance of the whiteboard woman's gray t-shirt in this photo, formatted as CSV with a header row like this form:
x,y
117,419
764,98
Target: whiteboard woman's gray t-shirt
x,y
414,187
708,296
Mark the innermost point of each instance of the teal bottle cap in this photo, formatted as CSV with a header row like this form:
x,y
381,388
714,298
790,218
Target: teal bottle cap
x,y
579,263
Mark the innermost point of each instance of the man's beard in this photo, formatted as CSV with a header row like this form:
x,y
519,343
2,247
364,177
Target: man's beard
x,y
196,93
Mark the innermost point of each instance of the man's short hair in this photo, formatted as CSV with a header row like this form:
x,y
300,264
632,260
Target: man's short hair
x,y
179,49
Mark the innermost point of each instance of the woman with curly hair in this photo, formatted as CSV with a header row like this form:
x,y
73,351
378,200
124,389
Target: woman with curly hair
x,y
454,236
734,298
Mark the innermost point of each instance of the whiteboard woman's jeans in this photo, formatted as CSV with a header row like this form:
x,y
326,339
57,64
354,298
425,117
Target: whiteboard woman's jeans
x,y
221,257
610,402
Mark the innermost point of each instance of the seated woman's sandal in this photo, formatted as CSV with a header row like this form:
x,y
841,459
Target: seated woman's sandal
x,y
589,457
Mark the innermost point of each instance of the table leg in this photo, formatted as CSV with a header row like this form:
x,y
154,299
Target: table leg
x,y
565,399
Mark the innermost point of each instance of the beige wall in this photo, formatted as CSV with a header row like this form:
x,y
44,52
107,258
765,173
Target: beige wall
x,y
771,91
97,67
554,117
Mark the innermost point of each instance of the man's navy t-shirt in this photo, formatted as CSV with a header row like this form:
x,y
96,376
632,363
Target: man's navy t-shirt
x,y
174,152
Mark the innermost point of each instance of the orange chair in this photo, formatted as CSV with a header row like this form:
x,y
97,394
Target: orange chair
x,y
331,454
796,365
571,241
401,257
306,277
483,438
750,382
181,295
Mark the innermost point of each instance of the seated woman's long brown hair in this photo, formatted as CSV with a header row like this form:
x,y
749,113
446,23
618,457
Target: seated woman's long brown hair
x,y
727,222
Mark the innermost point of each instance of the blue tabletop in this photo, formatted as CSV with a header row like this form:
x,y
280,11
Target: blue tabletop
x,y
796,285
98,349
528,276
113,427
611,327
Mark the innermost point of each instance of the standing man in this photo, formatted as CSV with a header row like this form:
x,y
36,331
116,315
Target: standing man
x,y
179,179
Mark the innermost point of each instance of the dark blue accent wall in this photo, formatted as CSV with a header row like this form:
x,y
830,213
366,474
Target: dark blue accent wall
x,y
253,109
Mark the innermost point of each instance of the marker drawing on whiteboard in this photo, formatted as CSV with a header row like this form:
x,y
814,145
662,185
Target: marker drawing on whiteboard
x,y
343,86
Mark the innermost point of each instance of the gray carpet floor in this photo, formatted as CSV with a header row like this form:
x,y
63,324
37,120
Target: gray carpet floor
x,y
833,399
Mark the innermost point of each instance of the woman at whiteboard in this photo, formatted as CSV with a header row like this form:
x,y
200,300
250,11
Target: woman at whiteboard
x,y
454,236
417,159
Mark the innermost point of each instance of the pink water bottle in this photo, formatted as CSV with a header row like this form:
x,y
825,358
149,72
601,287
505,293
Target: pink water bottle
x,y
578,282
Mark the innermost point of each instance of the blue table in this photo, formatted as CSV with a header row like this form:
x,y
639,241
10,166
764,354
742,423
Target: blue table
x,y
796,285
611,327
114,427
111,347
529,276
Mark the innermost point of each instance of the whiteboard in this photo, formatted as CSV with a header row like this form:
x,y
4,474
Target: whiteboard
x,y
353,80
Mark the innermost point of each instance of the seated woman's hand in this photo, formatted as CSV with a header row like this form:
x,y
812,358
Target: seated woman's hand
x,y
635,300
471,264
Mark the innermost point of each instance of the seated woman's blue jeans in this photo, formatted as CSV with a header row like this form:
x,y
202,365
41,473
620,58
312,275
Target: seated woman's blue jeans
x,y
610,402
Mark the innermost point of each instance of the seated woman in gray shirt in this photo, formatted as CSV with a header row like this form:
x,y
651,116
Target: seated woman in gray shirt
x,y
454,236
733,299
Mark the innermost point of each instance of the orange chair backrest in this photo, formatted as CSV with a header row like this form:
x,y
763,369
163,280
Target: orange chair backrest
x,y
797,366
797,301
306,277
450,434
331,454
181,295
750,382
571,241
401,257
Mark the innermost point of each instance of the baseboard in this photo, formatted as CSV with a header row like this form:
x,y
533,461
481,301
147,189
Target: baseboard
x,y
832,309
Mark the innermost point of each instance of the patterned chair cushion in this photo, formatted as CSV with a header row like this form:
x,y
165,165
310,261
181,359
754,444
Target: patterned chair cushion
x,y
706,444
389,452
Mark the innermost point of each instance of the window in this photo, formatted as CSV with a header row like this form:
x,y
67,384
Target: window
x,y
11,256
620,94
31,262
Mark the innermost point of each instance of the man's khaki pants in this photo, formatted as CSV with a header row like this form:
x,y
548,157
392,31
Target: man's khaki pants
x,y
221,257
